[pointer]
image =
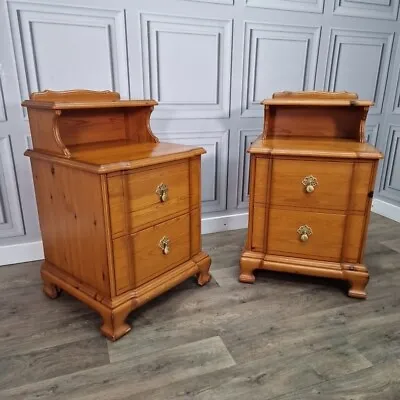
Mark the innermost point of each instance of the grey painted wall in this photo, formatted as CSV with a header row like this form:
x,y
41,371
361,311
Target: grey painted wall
x,y
208,63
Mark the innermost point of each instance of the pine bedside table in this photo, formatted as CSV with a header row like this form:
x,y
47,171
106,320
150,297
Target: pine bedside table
x,y
119,212
311,185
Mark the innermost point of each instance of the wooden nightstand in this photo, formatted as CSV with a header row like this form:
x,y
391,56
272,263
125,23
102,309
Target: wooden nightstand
x,y
119,212
311,185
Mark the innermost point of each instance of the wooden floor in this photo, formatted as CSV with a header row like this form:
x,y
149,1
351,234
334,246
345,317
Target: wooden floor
x,y
284,337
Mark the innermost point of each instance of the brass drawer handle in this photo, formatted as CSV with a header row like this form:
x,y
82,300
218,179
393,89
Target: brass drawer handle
x,y
310,182
305,232
162,191
164,245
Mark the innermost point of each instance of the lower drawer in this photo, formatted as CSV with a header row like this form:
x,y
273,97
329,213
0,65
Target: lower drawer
x,y
142,256
305,234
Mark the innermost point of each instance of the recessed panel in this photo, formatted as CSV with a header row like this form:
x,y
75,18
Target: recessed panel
x,y
382,9
11,223
183,79
84,49
277,58
246,138
279,72
187,65
358,69
3,116
314,6
62,48
358,61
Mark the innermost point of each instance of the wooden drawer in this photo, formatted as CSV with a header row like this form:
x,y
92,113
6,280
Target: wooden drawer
x,y
134,202
138,258
331,192
148,257
325,242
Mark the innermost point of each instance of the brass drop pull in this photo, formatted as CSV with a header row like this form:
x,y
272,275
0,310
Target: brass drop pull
x,y
162,191
310,182
305,232
164,245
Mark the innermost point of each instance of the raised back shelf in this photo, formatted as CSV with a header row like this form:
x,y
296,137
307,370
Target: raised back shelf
x,y
315,115
61,120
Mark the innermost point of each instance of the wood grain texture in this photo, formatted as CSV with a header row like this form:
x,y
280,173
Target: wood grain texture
x,y
288,337
72,226
325,242
75,95
144,205
316,95
332,189
111,237
148,257
324,148
311,188
297,118
80,128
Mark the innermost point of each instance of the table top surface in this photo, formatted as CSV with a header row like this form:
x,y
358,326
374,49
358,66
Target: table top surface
x,y
309,147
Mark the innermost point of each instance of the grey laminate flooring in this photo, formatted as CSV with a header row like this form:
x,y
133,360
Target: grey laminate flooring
x,y
285,337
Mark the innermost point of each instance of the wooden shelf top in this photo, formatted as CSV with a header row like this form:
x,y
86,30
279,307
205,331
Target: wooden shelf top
x,y
77,105
316,102
306,147
119,155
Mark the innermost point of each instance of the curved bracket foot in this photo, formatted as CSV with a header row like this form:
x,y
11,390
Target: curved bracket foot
x,y
358,282
51,290
247,267
114,325
203,277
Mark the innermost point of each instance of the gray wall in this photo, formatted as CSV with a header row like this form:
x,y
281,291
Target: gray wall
x,y
209,63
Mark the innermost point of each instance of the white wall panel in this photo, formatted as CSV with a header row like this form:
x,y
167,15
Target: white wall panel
x,y
187,65
391,182
87,48
371,134
246,137
313,6
229,2
358,61
11,223
3,115
269,51
385,9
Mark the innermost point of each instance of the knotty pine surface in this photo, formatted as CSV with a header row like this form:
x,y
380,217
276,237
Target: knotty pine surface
x,y
283,338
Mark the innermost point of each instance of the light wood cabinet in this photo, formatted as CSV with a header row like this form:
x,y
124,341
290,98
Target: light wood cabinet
x,y
311,185
119,212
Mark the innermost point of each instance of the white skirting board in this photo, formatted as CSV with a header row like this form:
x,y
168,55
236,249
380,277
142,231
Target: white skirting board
x,y
24,252
386,209
21,252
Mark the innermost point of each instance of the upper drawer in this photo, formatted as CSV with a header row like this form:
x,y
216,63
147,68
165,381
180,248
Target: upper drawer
x,y
144,255
311,184
145,196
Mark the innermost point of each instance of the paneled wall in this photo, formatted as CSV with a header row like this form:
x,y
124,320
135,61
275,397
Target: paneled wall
x,y
208,63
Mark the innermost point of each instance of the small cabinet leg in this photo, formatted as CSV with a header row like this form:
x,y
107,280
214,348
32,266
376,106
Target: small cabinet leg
x,y
51,290
203,277
114,325
247,267
358,283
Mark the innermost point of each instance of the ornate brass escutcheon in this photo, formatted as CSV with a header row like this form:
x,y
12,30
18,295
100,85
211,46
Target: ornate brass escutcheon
x,y
162,191
310,182
305,232
164,244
